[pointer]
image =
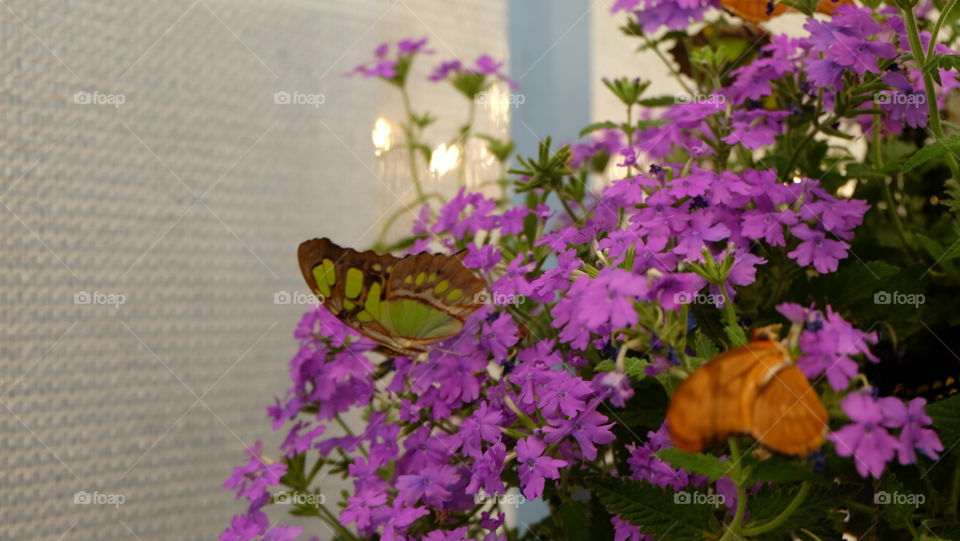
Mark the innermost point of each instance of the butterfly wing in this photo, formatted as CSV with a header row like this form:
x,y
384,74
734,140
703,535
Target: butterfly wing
x,y
751,389
716,400
406,305
761,10
787,415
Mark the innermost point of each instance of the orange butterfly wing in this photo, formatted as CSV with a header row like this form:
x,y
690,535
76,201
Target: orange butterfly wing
x,y
756,10
713,402
788,416
751,389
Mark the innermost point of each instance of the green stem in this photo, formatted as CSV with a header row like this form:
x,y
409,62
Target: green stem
x,y
669,65
527,421
777,521
788,171
332,520
411,142
913,34
936,27
733,529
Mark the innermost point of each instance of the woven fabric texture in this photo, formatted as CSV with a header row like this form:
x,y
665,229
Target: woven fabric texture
x,y
153,190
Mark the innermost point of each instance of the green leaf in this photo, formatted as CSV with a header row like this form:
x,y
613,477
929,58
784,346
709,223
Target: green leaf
x,y
946,420
852,283
573,516
897,513
605,125
937,149
817,513
704,346
659,101
632,366
945,61
736,335
698,463
864,171
653,509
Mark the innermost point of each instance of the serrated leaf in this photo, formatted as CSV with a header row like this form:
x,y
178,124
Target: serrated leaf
x,y
864,171
651,508
632,366
936,149
812,514
698,463
704,346
896,512
946,420
736,335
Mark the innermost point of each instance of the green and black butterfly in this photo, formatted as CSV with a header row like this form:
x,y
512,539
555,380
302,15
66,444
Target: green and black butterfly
x,y
405,304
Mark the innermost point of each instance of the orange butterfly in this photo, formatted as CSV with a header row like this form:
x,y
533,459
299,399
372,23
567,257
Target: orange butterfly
x,y
753,389
763,10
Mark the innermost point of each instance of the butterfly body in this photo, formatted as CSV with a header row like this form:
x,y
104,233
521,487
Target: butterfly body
x,y
754,389
405,304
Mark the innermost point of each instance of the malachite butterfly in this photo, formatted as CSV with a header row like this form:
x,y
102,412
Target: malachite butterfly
x,y
405,304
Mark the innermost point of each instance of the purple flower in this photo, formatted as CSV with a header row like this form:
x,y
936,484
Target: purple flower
x,y
586,429
756,128
443,535
644,466
912,418
702,227
865,438
430,485
483,425
534,468
251,480
816,248
828,346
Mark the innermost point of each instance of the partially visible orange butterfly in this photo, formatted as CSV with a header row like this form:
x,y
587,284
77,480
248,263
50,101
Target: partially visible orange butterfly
x,y
764,10
753,389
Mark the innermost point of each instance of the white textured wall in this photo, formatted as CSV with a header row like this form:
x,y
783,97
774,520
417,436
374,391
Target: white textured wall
x,y
189,200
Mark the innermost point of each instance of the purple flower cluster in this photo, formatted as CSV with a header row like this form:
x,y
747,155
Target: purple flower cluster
x,y
673,14
385,66
484,65
868,439
672,223
827,344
